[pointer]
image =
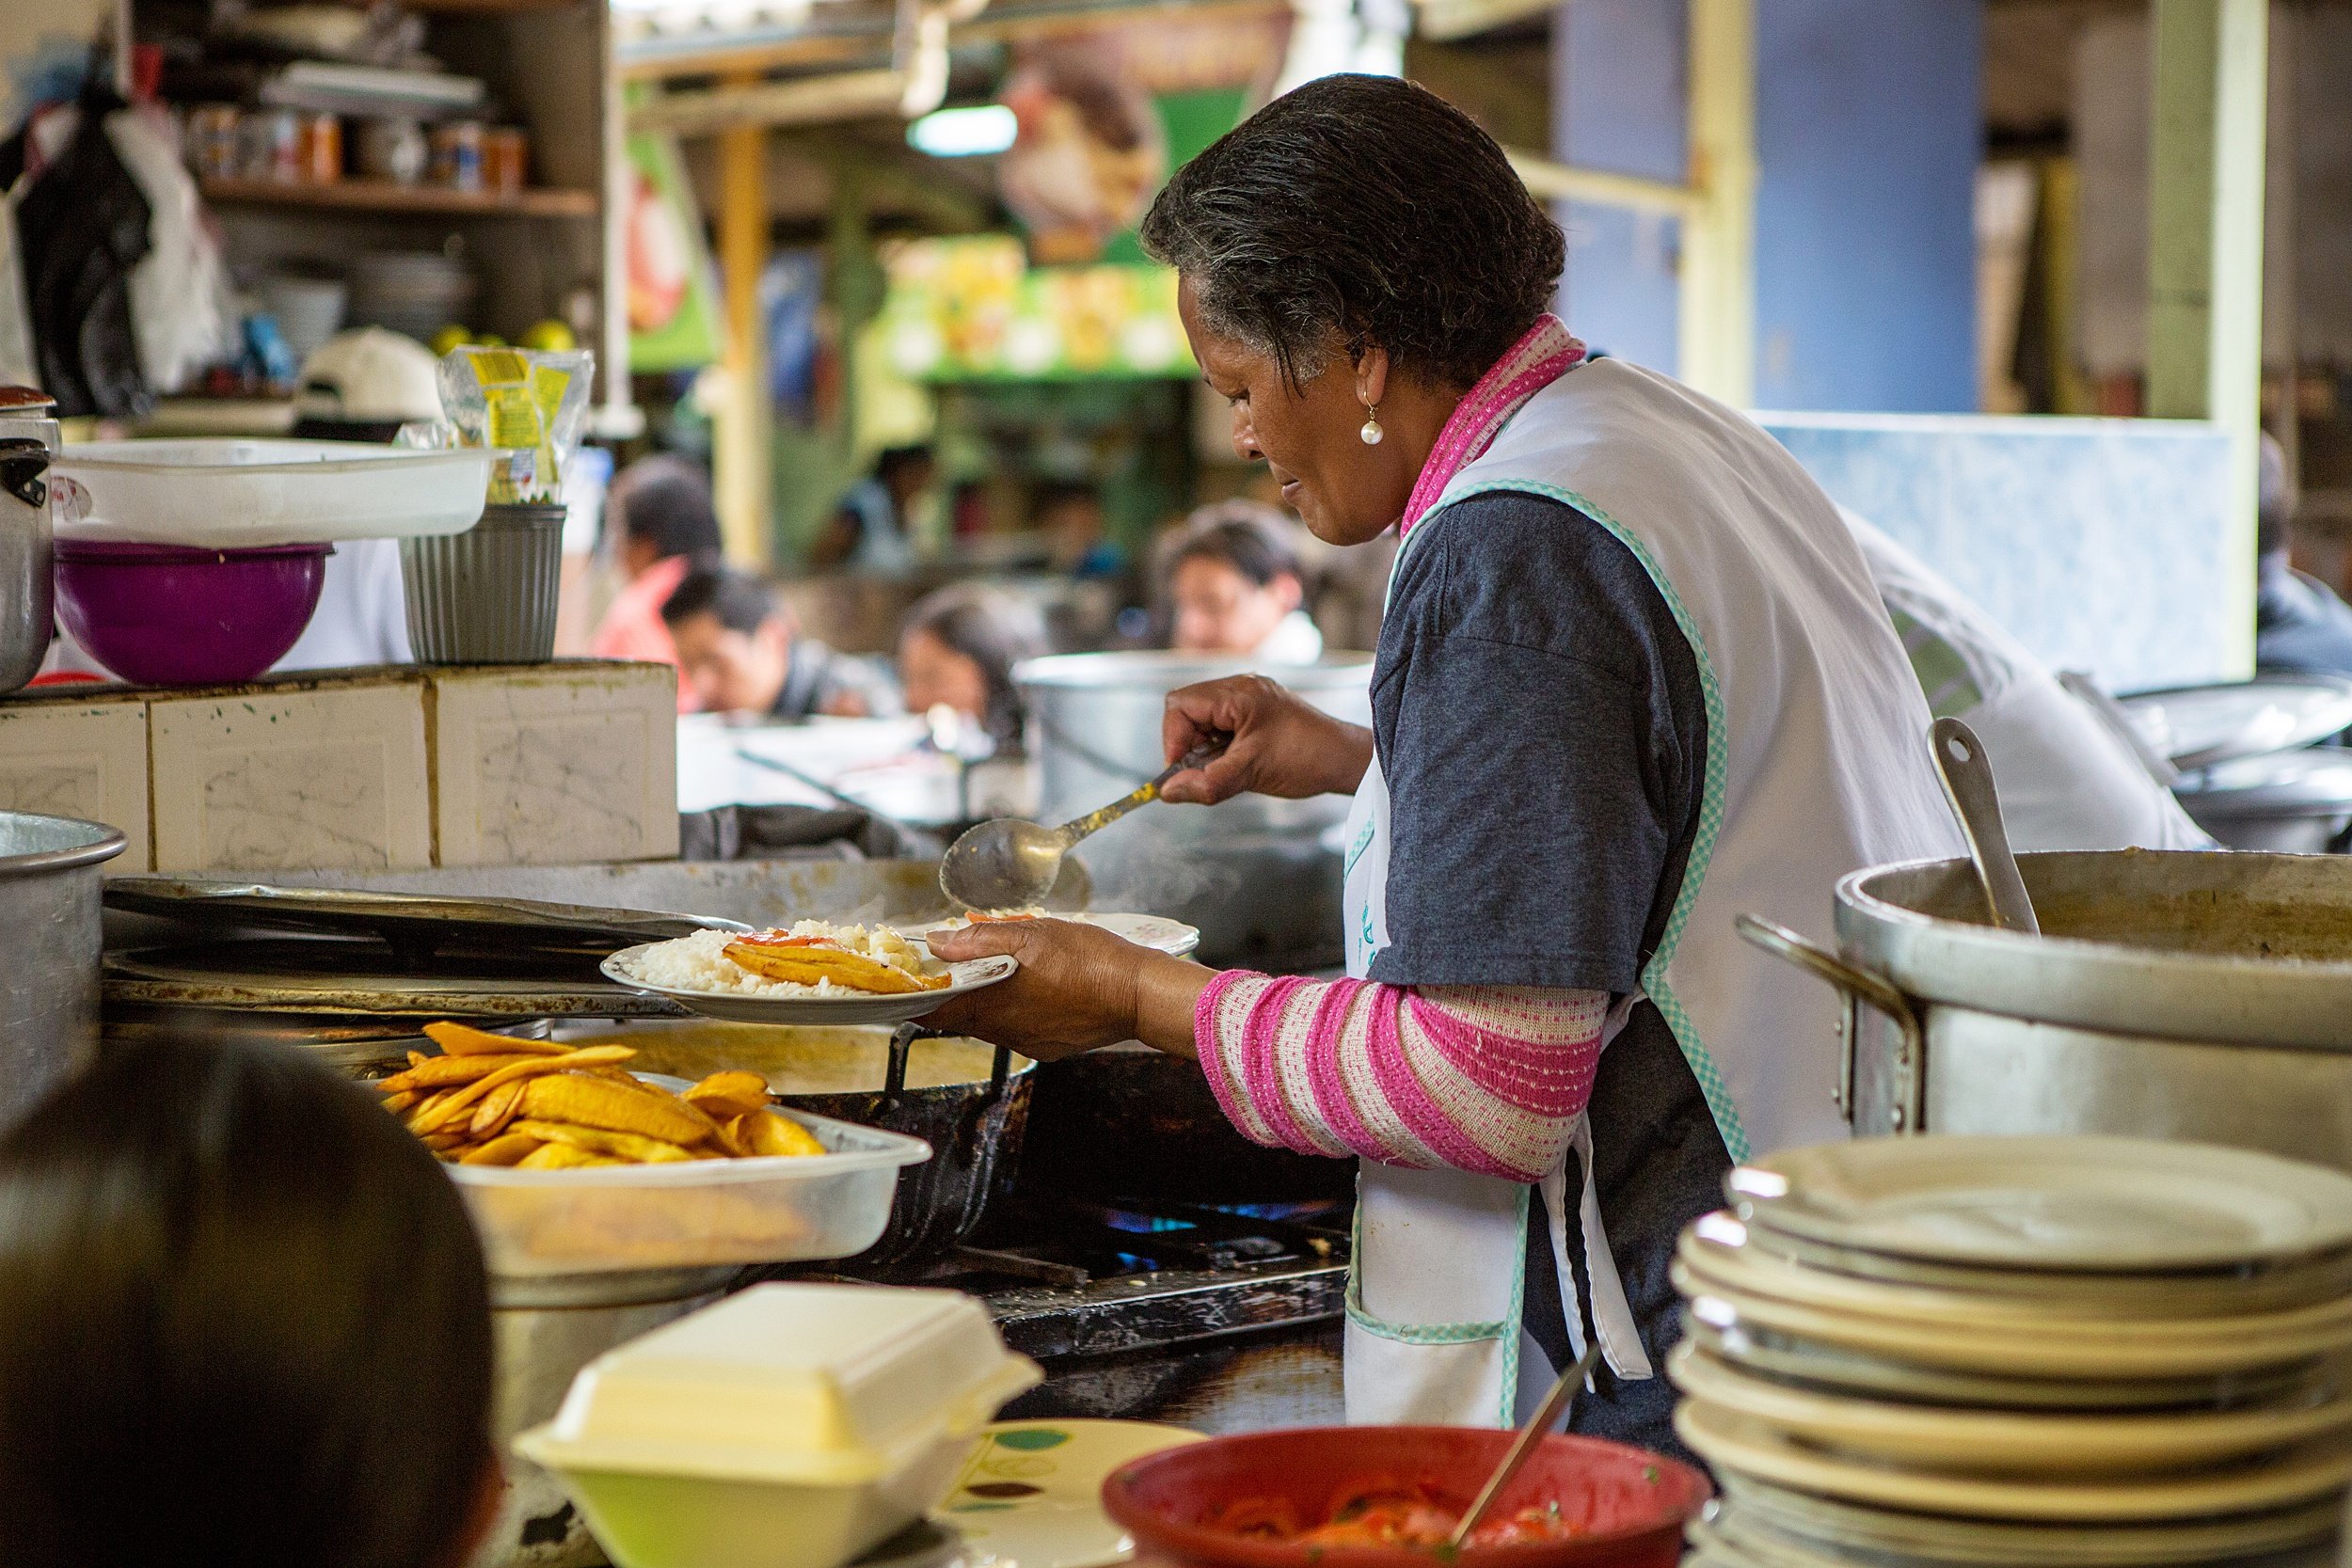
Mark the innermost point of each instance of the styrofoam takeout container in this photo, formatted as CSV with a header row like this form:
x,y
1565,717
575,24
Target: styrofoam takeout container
x,y
692,1214
789,1426
231,494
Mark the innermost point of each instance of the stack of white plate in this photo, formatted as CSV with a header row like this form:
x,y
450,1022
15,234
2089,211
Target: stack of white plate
x,y
2021,1351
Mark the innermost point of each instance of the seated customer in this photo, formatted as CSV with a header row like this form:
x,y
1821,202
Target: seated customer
x,y
660,522
2302,627
1233,586
243,1320
958,650
743,652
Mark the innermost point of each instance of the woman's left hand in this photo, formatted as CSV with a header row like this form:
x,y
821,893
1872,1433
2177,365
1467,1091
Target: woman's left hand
x,y
1078,988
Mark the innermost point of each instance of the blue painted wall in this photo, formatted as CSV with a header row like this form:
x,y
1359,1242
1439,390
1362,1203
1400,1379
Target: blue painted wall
x,y
1618,97
1869,133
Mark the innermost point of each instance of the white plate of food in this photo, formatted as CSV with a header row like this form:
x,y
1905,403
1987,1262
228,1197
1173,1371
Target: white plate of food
x,y
1155,931
816,973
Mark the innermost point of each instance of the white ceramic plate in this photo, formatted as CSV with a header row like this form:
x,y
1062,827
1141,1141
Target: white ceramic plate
x,y
2183,1348
2064,1203
1741,1447
1717,1249
1996,1442
738,1006
1155,931
1753,1508
2199,726
1031,1495
1827,1368
2256,1289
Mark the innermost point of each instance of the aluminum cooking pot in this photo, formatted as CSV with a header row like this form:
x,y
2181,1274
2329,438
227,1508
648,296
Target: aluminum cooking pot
x,y
49,906
2195,997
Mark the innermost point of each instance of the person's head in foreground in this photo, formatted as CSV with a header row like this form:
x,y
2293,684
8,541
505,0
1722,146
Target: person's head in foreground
x,y
957,649
664,511
734,640
1231,579
1351,260
243,1320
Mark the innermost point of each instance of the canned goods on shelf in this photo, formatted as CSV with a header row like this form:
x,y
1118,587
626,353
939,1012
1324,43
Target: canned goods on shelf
x,y
319,149
505,159
213,132
457,155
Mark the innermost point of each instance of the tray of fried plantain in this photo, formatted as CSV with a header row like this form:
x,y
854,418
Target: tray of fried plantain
x,y
573,1164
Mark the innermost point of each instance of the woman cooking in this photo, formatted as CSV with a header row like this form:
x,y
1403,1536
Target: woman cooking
x,y
1632,680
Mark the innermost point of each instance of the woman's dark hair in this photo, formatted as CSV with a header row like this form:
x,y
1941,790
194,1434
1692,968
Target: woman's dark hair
x,y
996,631
243,1320
1366,207
742,602
1247,537
665,500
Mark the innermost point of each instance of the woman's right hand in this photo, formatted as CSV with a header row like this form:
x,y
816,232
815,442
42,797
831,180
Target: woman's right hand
x,y
1280,744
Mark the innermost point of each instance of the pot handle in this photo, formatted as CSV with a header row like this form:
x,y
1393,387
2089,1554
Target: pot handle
x,y
894,1073
1857,986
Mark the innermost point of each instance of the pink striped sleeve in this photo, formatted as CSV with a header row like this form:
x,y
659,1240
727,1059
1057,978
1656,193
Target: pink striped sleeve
x,y
1488,1079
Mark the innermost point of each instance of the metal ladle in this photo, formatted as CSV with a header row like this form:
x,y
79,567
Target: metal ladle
x,y
1961,763
1010,863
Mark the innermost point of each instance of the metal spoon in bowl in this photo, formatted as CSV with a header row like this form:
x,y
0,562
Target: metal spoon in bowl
x,y
1531,1433
1967,775
1011,864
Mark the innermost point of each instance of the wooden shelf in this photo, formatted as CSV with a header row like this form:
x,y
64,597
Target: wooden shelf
x,y
383,195
485,8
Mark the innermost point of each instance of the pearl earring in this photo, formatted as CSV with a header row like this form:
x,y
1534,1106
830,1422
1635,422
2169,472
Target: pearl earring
x,y
1372,430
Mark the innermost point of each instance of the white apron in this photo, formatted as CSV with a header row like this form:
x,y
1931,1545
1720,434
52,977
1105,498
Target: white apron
x,y
1816,764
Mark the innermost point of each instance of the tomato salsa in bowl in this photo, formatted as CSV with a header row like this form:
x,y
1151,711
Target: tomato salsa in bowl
x,y
1390,1497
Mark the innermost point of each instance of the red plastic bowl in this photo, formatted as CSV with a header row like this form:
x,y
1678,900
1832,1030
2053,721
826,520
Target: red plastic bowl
x,y
1631,1503
164,615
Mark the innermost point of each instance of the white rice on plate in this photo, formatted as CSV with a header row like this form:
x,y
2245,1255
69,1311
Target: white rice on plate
x,y
700,963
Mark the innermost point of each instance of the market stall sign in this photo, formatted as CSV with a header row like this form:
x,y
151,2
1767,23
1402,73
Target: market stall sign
x,y
972,308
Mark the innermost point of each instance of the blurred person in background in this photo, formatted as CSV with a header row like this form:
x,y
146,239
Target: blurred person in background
x,y
743,652
661,523
1233,584
958,650
2302,627
873,531
199,1360
1077,530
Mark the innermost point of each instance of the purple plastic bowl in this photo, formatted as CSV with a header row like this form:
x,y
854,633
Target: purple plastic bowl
x,y
166,615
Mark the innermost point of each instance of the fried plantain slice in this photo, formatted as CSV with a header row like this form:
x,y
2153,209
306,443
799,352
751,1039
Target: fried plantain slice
x,y
728,1095
767,1133
632,1146
459,1039
508,1149
806,962
563,1157
472,1094
618,1107
440,1072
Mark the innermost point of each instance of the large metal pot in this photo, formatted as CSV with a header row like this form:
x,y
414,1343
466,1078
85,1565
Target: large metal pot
x,y
49,909
28,439
2202,997
1260,877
